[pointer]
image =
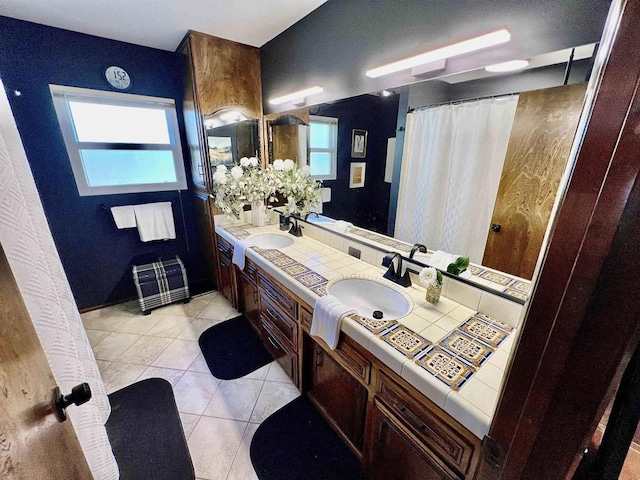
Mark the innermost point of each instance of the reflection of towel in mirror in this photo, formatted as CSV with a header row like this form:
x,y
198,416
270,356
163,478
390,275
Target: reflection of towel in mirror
x,y
328,314
239,252
155,221
441,260
341,226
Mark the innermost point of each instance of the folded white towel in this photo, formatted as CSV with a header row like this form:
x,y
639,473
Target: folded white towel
x,y
441,260
341,226
155,221
239,252
328,314
124,216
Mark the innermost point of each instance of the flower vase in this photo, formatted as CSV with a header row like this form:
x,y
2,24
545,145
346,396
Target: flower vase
x,y
433,293
258,214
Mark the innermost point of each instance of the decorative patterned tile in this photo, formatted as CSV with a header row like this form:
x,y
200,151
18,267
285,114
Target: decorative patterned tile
x,y
446,367
516,294
320,290
406,341
494,322
269,254
496,278
521,286
475,270
483,331
238,232
402,247
311,279
296,269
468,348
283,261
375,326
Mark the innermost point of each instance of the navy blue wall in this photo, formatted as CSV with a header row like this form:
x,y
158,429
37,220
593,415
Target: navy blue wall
x,y
368,206
96,256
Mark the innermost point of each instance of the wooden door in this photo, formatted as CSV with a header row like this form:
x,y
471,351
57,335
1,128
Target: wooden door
x,y
395,455
543,130
33,443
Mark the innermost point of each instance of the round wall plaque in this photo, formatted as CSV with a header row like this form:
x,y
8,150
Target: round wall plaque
x,y
117,77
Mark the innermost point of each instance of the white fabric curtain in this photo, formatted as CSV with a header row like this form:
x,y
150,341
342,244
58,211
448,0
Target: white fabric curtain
x,y
34,261
451,166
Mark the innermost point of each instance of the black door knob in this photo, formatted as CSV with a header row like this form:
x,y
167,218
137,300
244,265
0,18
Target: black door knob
x,y
79,394
496,228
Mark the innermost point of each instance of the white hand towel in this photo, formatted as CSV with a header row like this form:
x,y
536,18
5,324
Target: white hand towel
x,y
155,221
328,314
124,216
341,226
441,260
239,252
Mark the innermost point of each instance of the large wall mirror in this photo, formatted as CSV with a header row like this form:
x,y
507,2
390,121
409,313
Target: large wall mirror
x,y
469,164
231,135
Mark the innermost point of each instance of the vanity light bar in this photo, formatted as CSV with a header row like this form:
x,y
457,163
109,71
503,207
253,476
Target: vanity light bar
x,y
511,66
296,95
460,48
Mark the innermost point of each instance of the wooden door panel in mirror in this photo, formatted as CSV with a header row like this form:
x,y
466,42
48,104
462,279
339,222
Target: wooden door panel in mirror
x,y
541,137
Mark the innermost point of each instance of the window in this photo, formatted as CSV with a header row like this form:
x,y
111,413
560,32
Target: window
x,y
323,138
120,143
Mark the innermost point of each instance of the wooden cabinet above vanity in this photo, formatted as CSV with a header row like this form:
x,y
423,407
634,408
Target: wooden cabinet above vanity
x,y
220,75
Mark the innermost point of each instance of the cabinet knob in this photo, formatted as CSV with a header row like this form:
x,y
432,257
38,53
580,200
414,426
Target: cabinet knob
x,y
496,228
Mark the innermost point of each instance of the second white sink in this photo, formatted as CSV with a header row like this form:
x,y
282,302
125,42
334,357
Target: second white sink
x,y
271,240
367,295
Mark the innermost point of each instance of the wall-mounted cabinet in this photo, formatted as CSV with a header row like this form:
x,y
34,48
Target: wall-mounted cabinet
x,y
220,75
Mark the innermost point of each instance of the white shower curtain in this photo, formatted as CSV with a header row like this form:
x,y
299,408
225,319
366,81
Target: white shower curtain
x,y
36,266
451,165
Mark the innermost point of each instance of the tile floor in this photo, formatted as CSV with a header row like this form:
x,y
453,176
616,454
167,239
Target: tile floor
x,y
219,416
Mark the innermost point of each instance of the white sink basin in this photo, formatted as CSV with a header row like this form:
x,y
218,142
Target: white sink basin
x,y
271,240
367,295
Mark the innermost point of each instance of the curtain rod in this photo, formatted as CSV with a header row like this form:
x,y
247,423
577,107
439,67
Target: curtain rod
x,y
464,100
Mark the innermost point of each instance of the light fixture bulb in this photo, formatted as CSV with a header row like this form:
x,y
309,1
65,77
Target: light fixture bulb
x,y
466,46
386,93
511,66
297,96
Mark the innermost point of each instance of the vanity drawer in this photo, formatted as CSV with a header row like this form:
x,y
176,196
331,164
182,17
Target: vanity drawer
x,y
440,438
251,271
287,359
352,360
278,295
225,247
287,327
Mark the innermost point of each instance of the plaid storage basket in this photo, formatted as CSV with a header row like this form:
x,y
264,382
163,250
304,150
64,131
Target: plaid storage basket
x,y
160,283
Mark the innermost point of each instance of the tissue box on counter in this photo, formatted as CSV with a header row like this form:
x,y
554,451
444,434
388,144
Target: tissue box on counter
x,y
161,283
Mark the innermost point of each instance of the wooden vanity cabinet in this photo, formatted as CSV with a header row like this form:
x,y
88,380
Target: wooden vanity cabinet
x,y
226,279
248,296
394,454
339,396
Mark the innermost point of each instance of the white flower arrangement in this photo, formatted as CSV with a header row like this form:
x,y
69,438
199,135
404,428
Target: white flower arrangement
x,y
247,183
429,276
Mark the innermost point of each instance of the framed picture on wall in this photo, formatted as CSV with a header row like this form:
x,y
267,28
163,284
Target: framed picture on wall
x,y
356,177
358,143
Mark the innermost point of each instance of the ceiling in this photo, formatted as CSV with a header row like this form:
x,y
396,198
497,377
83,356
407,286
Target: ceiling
x,y
163,23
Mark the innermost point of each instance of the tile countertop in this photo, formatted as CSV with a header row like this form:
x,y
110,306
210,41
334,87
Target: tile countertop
x,y
472,403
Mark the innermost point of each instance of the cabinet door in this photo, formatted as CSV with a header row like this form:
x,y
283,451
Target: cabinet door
x,y
206,228
342,397
226,280
394,455
248,300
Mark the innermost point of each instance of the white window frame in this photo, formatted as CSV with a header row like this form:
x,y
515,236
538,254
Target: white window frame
x,y
333,150
62,95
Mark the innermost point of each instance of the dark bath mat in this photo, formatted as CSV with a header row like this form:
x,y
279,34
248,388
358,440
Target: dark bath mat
x,y
233,349
146,434
296,443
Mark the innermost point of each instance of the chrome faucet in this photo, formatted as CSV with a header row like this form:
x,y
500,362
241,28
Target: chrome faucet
x,y
417,247
393,274
295,230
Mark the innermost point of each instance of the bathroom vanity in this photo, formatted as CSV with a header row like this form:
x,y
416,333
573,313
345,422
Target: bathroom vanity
x,y
375,389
